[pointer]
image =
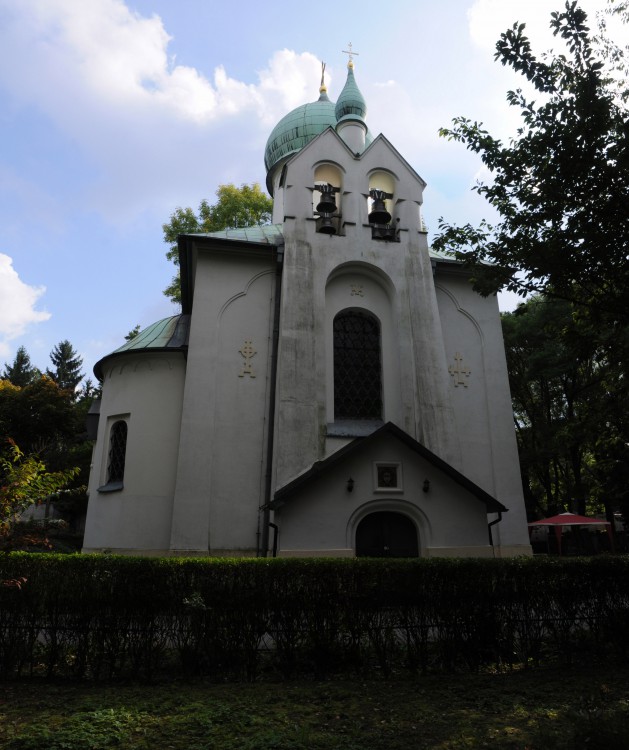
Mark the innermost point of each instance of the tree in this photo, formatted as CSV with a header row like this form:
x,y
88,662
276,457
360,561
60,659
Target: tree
x,y
553,377
561,186
569,399
24,481
21,372
132,333
48,423
67,366
236,207
41,418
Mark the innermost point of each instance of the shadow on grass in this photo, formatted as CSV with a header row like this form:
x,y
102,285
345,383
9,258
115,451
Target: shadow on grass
x,y
545,710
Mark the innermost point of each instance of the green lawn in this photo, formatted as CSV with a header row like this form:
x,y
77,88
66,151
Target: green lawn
x,y
528,709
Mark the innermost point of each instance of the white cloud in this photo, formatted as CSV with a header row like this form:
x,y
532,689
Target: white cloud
x,y
102,50
132,113
287,82
17,304
109,56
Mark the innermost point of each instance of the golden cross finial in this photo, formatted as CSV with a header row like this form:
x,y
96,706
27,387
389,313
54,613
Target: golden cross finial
x,y
351,53
322,88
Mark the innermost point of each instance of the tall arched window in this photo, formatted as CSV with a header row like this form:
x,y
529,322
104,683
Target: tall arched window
x,y
357,366
117,452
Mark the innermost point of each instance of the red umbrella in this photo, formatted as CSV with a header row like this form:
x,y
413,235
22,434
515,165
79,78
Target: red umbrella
x,y
571,519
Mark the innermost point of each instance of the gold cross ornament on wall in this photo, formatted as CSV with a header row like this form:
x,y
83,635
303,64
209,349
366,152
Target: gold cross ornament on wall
x,y
248,352
459,372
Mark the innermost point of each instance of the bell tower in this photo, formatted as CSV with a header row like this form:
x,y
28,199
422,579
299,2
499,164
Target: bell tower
x,y
355,260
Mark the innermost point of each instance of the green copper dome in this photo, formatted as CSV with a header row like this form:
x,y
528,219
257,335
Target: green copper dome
x,y
303,124
350,101
298,128
167,335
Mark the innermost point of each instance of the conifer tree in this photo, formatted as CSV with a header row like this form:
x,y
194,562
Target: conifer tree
x,y
67,366
132,333
21,372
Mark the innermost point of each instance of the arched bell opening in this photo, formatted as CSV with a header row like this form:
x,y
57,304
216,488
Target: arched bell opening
x,y
326,198
387,534
380,203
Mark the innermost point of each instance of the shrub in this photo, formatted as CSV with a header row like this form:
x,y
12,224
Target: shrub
x,y
107,617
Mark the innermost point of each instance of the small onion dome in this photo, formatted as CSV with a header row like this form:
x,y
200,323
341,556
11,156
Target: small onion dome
x,y
298,128
350,101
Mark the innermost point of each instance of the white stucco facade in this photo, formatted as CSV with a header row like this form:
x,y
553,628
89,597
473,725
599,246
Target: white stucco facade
x,y
234,441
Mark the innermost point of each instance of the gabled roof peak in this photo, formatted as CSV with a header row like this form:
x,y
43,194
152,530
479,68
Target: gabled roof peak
x,y
390,429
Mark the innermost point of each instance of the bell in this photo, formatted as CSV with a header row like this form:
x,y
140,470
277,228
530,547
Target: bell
x,y
327,205
325,224
378,213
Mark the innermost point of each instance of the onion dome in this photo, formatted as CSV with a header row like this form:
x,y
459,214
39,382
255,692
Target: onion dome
x,y
351,101
298,128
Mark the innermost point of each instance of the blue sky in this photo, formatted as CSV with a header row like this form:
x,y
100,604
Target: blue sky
x,y
115,112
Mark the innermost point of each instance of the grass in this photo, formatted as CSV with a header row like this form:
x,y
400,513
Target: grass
x,y
549,710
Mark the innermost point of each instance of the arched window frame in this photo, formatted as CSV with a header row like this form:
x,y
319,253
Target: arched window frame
x,y
116,456
358,392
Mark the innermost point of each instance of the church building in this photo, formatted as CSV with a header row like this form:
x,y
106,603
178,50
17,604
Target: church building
x,y
332,387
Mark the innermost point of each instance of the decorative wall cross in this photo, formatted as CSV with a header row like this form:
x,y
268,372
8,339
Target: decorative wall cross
x,y
248,352
458,372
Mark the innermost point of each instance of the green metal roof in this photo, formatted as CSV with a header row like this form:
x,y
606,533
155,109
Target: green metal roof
x,y
270,234
350,101
273,234
298,128
442,255
167,334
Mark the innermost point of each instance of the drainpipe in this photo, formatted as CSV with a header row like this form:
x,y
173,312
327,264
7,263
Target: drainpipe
x,y
493,523
268,479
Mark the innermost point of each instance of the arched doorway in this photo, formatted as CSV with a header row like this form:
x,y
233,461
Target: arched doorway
x,y
386,534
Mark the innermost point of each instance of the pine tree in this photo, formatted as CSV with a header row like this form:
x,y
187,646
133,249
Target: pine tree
x,y
21,372
67,373
132,333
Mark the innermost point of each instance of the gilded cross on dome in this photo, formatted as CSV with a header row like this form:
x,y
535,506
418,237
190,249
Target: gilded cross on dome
x,y
351,53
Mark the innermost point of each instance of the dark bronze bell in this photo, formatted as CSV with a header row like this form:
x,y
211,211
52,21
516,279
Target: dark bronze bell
x,y
378,213
327,204
325,224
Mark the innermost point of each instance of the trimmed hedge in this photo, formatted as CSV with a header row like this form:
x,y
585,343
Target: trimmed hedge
x,y
104,617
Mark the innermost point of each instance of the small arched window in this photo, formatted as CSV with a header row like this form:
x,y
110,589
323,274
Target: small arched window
x,y
357,366
117,453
